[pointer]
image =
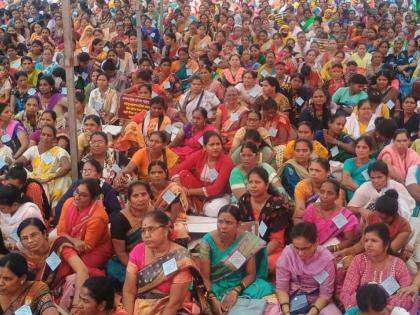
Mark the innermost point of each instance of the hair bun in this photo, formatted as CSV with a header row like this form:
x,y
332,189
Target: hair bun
x,y
392,193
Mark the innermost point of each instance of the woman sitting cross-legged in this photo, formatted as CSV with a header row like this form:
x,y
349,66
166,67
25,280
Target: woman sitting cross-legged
x,y
224,276
305,275
270,209
66,278
376,265
205,176
159,272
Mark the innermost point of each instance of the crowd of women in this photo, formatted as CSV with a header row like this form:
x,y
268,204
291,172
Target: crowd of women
x,y
293,124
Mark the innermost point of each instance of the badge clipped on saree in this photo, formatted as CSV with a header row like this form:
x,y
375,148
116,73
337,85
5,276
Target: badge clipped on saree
x,y
169,266
237,259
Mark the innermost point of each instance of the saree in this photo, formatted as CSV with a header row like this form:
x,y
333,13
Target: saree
x,y
225,271
180,197
183,72
416,210
230,123
155,276
36,296
61,286
402,166
291,173
326,227
91,226
191,141
150,124
114,266
130,139
44,167
11,135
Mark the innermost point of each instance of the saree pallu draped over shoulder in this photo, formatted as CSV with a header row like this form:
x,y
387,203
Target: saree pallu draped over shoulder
x,y
156,273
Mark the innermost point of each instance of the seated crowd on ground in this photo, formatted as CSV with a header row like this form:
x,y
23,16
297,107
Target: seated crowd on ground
x,y
271,164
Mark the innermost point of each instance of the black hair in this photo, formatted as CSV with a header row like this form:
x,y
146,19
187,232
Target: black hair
x,y
202,111
210,134
250,145
234,211
388,203
17,172
367,139
80,96
335,183
160,134
100,134
136,183
50,82
10,194
307,230
269,104
307,124
253,73
54,130
385,127
381,230
16,263
101,289
371,297
159,216
273,82
323,162
50,112
401,131
98,167
378,166
93,185
3,107
161,164
336,116
36,222
358,79
361,102
307,142
20,74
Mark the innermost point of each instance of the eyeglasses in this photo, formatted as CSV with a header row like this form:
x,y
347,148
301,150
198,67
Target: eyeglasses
x,y
150,229
31,236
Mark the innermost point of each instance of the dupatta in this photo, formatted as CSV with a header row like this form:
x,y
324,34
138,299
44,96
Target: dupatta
x,y
300,170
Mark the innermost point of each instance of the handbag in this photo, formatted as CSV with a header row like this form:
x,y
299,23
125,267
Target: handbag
x,y
247,306
299,304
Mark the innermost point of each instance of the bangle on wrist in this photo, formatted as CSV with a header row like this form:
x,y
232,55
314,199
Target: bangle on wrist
x,y
316,308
